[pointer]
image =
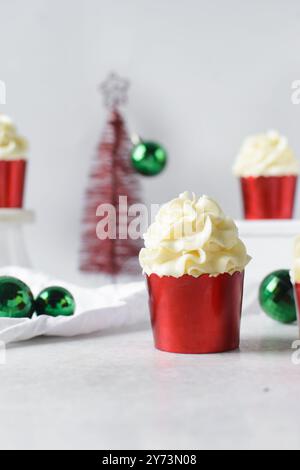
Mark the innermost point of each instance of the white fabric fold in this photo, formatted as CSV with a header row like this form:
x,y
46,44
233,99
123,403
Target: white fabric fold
x,y
106,307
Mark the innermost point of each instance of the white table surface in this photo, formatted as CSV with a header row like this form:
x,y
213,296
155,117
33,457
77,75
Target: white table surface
x,y
114,391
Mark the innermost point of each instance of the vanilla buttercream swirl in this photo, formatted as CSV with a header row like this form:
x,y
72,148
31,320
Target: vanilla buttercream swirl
x,y
295,273
266,155
192,236
12,145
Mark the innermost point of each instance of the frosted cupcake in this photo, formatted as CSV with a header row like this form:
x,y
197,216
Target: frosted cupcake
x,y
13,149
194,262
268,172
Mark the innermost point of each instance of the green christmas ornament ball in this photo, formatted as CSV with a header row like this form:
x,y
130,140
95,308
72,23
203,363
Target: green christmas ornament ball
x,y
149,158
16,299
276,297
55,301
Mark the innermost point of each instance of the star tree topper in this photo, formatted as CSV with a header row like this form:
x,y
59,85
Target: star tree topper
x,y
115,90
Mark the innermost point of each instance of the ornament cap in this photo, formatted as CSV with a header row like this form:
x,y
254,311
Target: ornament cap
x,y
136,139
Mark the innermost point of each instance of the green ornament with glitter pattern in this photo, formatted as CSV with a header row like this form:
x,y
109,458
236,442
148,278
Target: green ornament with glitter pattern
x,y
149,158
16,299
276,297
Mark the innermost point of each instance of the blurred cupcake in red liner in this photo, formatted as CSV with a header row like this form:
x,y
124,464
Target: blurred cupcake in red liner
x,y
13,162
268,171
194,263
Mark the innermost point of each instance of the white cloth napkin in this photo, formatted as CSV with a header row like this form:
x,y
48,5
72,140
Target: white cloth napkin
x,y
97,309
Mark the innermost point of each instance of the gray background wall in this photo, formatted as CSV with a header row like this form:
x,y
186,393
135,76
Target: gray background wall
x,y
204,75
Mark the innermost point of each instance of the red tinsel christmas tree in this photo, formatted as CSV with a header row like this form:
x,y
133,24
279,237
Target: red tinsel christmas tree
x,y
113,183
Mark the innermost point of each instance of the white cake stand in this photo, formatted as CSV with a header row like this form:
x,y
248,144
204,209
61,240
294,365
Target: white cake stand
x,y
13,251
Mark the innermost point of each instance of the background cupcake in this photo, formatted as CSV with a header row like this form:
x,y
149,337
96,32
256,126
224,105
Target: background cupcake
x,y
13,149
268,171
194,262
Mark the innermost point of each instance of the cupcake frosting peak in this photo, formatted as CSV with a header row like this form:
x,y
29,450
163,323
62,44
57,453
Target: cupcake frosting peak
x,y
295,273
192,236
12,145
266,155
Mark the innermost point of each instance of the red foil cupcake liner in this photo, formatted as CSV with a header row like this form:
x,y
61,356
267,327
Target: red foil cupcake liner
x,y
196,315
269,197
12,181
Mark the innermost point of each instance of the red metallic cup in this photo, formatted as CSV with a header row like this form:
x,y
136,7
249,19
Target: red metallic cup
x,y
269,197
196,315
12,181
